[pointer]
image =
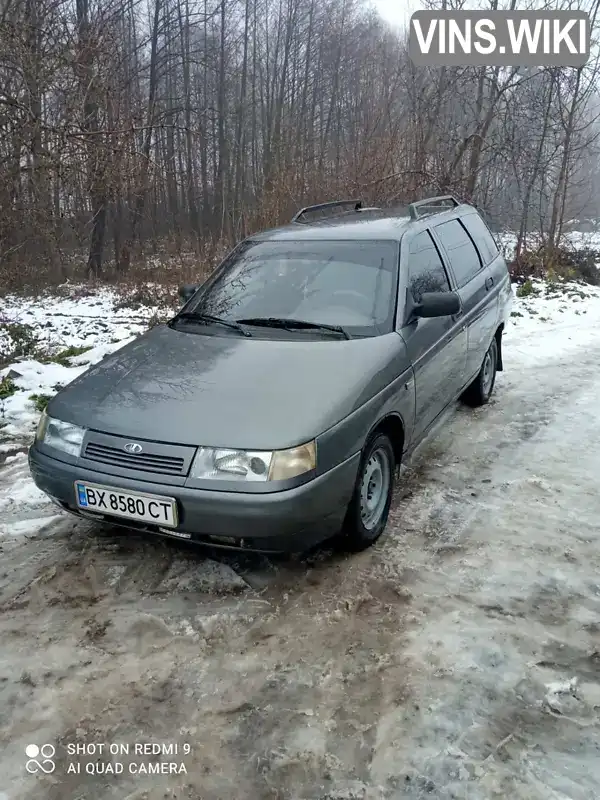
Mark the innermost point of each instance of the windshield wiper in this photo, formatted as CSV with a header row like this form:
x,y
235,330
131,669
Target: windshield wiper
x,y
210,318
293,324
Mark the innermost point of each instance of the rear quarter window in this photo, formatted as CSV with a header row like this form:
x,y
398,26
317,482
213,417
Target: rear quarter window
x,y
482,237
464,258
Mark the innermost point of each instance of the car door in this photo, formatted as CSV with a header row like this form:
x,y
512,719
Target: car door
x,y
474,283
497,278
436,346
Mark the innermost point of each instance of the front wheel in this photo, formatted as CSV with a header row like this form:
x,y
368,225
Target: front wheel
x,y
479,392
369,508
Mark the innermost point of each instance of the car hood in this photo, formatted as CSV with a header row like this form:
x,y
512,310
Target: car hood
x,y
227,390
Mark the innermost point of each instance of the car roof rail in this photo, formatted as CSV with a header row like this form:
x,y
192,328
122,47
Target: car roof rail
x,y
353,205
433,203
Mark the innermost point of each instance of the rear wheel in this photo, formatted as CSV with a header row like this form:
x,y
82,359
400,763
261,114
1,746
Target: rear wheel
x,y
479,392
369,508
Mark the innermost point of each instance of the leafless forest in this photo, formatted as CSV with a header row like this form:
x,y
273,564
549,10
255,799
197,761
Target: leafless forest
x,y
133,133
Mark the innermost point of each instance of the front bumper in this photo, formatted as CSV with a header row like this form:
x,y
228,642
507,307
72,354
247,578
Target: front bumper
x,y
286,521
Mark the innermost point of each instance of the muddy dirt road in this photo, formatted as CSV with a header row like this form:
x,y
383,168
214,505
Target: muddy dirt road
x,y
459,658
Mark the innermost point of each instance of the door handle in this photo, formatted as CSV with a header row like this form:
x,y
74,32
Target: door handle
x,y
489,282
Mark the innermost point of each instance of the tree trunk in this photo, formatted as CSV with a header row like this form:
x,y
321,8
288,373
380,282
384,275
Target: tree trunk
x,y
142,189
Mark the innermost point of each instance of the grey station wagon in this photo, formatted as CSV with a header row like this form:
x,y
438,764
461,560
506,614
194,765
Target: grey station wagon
x,y
273,410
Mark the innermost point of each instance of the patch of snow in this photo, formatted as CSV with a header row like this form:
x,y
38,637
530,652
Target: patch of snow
x,y
558,693
561,687
507,242
81,321
552,321
24,509
27,526
581,240
6,447
36,378
21,493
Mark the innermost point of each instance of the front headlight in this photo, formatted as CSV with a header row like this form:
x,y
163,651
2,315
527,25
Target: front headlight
x,y
42,425
60,435
253,465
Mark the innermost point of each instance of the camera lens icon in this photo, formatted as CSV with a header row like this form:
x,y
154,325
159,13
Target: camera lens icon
x,y
45,754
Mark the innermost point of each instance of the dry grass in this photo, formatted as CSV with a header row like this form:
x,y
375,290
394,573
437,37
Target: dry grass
x,y
164,264
560,263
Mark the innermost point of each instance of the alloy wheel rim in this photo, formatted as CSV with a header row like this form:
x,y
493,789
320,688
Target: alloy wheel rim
x,y
374,488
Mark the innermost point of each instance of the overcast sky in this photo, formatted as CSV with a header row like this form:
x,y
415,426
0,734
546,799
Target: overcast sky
x,y
397,11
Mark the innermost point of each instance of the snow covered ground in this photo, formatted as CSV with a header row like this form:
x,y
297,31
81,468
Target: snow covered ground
x,y
94,324
91,323
576,239
459,658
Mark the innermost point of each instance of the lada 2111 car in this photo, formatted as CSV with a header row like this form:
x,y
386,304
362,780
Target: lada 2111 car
x,y
271,412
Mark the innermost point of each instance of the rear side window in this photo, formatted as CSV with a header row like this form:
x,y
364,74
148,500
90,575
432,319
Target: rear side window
x,y
461,251
426,271
481,236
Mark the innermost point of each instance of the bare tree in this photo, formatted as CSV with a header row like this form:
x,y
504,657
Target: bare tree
x,y
195,123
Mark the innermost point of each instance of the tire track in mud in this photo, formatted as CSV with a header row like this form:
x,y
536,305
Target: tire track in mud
x,y
483,637
519,413
325,677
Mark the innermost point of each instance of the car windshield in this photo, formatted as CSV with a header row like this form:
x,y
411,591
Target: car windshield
x,y
351,284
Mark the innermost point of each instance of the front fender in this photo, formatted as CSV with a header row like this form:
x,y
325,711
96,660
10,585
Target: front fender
x,y
348,436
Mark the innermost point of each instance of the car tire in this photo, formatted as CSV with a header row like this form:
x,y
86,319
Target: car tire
x,y
369,507
479,392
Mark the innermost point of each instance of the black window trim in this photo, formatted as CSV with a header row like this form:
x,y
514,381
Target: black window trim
x,y
483,222
403,285
427,232
492,237
449,275
449,260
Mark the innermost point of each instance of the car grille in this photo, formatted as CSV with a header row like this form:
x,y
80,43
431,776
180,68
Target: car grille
x,y
145,462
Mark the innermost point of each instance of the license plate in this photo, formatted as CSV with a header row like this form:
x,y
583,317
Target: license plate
x,y
152,508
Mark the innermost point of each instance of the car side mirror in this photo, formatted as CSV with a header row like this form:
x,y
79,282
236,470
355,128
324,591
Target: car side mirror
x,y
437,304
186,292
